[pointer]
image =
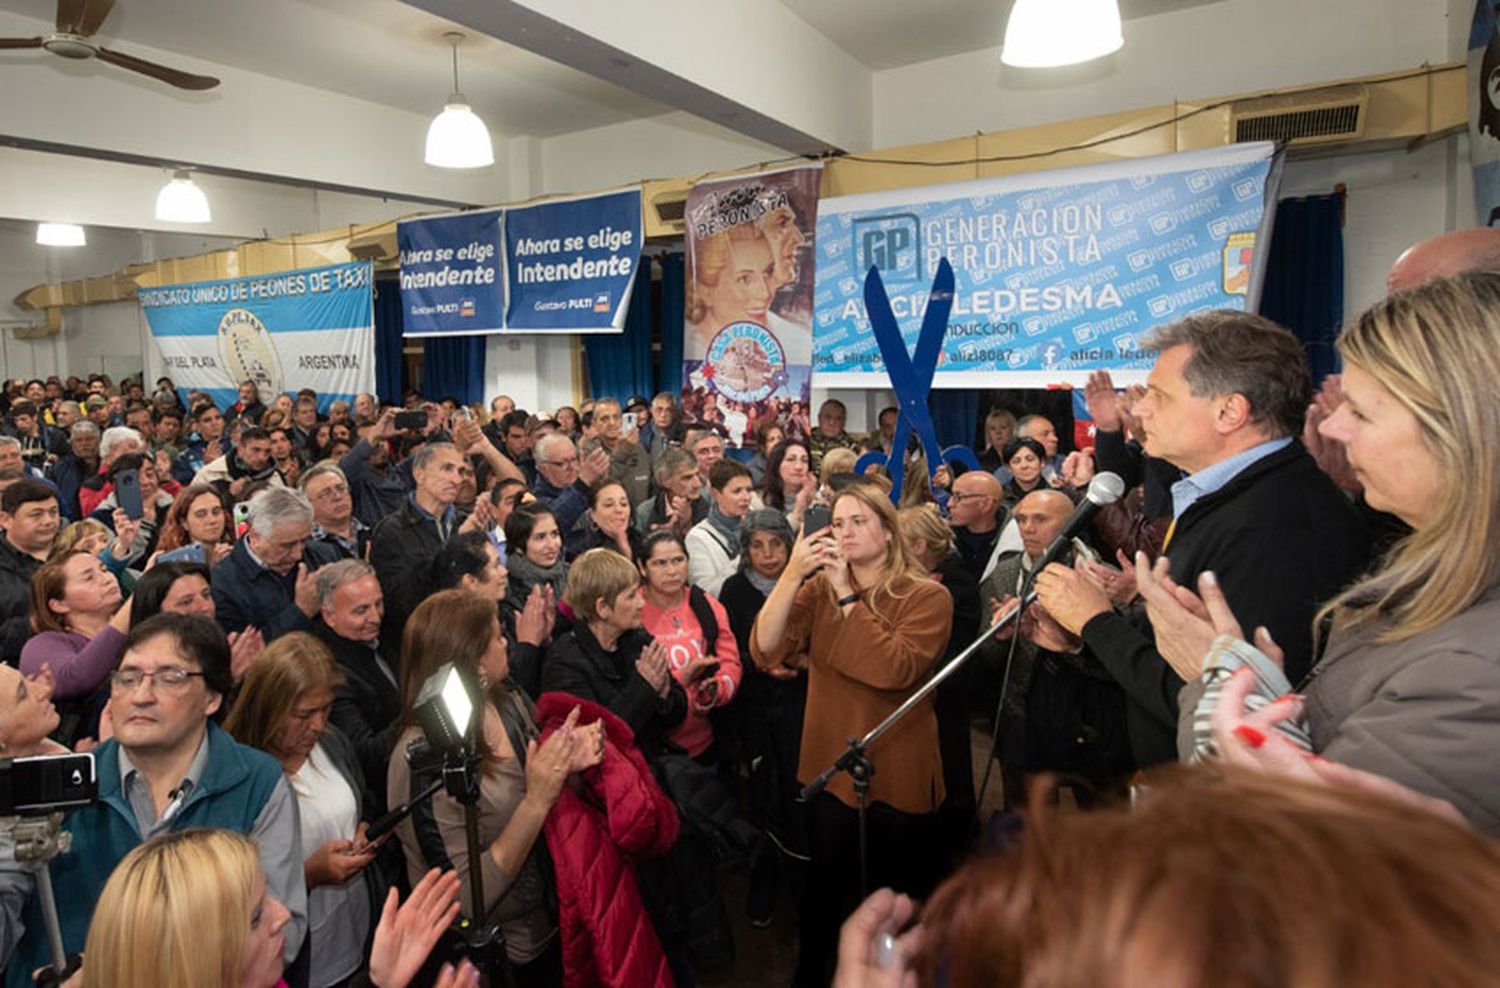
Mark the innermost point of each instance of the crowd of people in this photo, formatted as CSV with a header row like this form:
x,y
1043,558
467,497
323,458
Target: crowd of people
x,y
237,611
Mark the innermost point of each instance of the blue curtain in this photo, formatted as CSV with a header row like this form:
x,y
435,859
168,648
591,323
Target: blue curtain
x,y
955,416
1304,286
673,302
453,366
620,363
388,359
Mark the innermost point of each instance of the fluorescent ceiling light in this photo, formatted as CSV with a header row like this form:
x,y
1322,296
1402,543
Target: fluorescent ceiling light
x,y
60,235
457,138
1050,33
181,201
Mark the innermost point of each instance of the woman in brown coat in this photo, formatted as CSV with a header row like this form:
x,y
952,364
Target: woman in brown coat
x,y
873,628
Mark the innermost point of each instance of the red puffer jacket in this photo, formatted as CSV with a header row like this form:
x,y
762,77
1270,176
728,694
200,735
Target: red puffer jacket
x,y
594,838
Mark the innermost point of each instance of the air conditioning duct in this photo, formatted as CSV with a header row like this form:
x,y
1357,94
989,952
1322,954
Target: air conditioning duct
x,y
1323,116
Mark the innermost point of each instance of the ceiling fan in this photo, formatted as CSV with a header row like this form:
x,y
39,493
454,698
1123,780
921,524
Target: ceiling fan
x,y
77,20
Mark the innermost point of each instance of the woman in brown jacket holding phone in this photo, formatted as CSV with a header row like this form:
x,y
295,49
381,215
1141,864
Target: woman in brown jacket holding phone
x,y
873,628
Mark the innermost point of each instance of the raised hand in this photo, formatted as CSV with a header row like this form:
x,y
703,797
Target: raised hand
x,y
244,648
593,467
1102,401
405,936
547,763
531,620
305,595
1329,454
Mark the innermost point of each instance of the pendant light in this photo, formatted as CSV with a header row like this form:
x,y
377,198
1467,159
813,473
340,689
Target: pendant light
x,y
60,235
457,138
1050,33
181,201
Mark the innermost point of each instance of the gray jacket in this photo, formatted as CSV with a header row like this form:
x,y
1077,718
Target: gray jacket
x,y
1424,712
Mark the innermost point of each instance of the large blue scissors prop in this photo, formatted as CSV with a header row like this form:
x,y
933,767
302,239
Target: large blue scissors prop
x,y
911,377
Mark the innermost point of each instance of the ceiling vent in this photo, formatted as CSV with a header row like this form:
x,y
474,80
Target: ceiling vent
x,y
1322,116
666,205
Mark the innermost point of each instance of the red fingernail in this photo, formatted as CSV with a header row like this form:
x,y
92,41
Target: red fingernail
x,y
1250,735
1288,698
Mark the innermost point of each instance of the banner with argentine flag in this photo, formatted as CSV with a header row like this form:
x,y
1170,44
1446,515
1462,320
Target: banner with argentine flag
x,y
307,328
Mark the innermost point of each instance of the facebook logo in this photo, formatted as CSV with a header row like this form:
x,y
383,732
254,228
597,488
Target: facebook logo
x,y
889,243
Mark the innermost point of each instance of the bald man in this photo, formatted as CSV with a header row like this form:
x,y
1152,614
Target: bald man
x,y
1062,712
1448,254
976,511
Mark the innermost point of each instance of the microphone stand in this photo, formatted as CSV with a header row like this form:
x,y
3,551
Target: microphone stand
x,y
855,759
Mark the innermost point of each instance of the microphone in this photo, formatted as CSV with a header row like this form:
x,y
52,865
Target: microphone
x,y
1106,488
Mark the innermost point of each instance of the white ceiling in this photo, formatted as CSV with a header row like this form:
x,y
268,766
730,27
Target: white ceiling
x,y
886,33
378,50
393,54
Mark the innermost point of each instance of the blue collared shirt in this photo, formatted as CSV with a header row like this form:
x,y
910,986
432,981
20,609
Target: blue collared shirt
x,y
1190,488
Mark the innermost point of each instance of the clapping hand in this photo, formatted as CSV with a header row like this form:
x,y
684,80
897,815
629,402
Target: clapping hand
x,y
1330,454
548,763
1071,598
405,936
482,518
244,648
589,750
1078,468
1185,624
653,668
531,620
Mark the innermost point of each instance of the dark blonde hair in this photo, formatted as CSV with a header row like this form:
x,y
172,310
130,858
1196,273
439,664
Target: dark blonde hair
x,y
599,574
288,668
1228,878
898,568
1436,349
175,913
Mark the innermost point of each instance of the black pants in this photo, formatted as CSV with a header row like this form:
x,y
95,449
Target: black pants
x,y
903,855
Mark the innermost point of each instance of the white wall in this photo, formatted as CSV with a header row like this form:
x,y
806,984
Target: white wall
x,y
668,146
110,337
1395,198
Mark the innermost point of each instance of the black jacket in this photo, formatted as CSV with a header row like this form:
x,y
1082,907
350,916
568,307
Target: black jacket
x,y
402,548
16,571
576,664
245,593
366,708
1282,540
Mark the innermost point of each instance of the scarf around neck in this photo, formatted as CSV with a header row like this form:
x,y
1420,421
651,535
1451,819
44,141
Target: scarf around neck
x,y
759,582
725,526
531,574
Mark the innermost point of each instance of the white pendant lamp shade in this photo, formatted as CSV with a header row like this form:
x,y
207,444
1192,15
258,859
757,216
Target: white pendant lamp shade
x,y
457,138
1048,33
60,235
181,201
